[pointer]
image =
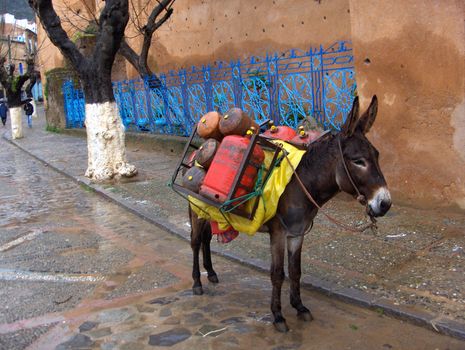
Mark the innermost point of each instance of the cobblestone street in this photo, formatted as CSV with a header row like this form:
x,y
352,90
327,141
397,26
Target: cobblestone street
x,y
80,272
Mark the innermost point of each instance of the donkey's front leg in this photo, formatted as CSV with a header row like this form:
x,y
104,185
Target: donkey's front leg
x,y
195,245
197,227
277,277
207,258
294,250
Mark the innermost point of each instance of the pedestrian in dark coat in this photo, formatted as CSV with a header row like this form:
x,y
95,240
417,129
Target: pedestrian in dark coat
x,y
3,112
29,109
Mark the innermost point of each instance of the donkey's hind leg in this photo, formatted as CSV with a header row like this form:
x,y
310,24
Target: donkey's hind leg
x,y
278,244
294,249
207,259
197,227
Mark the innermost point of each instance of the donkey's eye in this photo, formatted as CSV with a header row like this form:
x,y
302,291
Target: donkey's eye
x,y
359,162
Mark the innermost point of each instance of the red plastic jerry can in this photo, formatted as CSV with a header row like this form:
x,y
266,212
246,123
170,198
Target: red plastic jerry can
x,y
225,166
284,133
305,137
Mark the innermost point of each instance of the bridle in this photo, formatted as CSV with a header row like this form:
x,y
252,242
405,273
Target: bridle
x,y
361,198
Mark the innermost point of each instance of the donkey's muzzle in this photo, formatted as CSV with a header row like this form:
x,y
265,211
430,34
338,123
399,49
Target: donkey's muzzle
x,y
384,206
380,203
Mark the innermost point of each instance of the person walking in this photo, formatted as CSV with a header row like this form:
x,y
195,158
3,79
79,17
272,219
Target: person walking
x,y
29,109
3,112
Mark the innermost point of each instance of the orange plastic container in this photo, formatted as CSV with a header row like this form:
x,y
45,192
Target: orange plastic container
x,y
226,165
193,178
208,126
236,122
206,152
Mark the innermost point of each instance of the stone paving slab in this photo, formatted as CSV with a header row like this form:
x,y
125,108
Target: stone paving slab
x,y
146,278
60,296
23,338
339,261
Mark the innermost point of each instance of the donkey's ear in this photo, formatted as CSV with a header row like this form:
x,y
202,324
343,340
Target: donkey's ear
x,y
368,118
352,119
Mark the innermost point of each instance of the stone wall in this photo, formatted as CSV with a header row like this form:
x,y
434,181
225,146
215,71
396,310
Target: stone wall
x,y
54,106
412,55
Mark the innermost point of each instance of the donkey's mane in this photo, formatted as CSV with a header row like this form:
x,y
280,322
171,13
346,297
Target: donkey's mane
x,y
320,142
318,150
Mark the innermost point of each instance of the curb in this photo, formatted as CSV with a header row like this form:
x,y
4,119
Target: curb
x,y
357,297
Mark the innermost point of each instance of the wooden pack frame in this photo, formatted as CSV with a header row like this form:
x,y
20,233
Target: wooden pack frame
x,y
254,140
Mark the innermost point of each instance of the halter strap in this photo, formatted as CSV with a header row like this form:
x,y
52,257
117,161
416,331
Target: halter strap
x,y
360,197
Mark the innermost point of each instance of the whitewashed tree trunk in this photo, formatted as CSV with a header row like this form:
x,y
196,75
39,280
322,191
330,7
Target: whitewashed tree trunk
x,y
105,143
105,133
16,115
34,113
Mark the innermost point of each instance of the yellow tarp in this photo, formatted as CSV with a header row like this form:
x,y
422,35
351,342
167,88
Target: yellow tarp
x,y
268,204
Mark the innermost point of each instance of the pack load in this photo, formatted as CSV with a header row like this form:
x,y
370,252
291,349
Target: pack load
x,y
224,179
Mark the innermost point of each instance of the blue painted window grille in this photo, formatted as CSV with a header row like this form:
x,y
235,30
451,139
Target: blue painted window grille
x,y
318,83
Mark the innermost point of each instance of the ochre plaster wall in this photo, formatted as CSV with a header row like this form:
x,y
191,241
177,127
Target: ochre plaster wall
x,y
412,55
201,31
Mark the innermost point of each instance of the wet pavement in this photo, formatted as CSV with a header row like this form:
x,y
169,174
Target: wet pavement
x,y
80,272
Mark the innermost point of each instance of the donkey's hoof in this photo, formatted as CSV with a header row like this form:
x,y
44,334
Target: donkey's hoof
x,y
213,278
197,290
305,316
281,326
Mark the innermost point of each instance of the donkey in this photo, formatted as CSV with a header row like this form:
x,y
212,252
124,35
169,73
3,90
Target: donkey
x,y
346,162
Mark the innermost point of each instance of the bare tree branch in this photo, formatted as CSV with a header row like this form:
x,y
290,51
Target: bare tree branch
x,y
32,82
30,70
112,22
4,75
90,11
13,84
135,18
151,27
52,25
129,53
140,63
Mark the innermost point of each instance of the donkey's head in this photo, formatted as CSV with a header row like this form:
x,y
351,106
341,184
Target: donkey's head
x,y
358,172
